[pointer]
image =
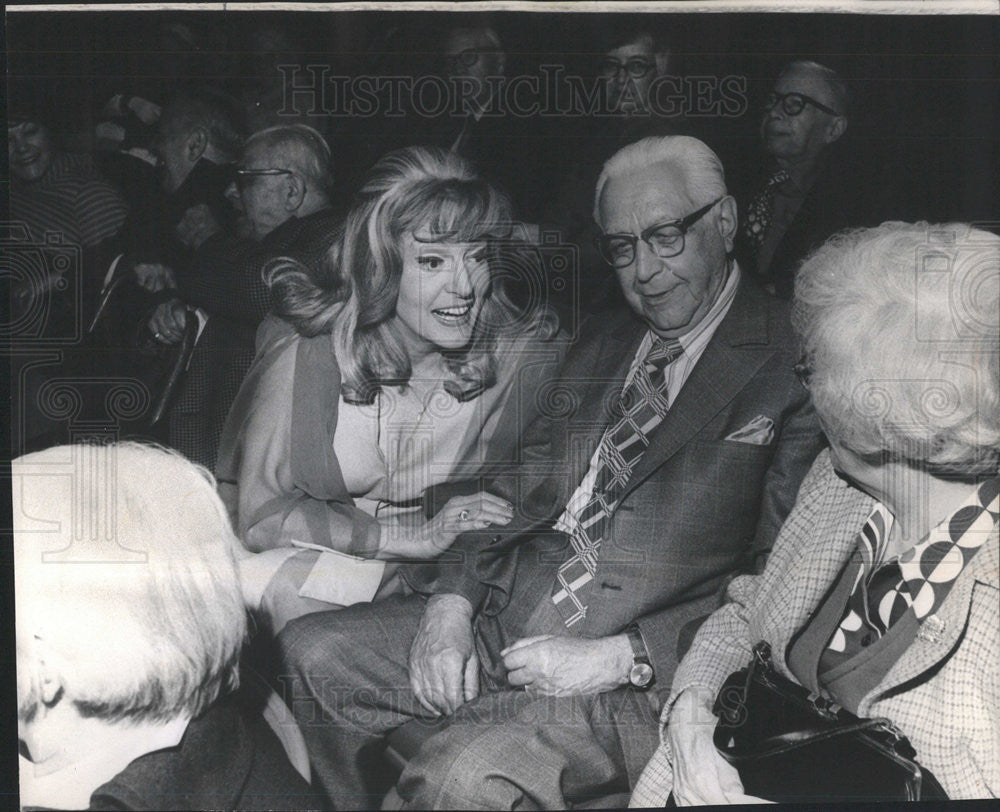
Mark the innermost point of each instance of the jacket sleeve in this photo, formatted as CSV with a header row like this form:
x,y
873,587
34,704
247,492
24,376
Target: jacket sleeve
x,y
724,641
798,444
487,558
277,469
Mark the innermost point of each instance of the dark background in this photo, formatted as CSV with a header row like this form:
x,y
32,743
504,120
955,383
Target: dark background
x,y
926,88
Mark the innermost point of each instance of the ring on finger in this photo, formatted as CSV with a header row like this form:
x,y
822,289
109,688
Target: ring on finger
x,y
464,515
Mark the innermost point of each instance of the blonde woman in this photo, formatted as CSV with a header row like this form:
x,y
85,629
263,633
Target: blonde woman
x,y
412,370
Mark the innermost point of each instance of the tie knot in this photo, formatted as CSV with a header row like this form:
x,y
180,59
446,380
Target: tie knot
x,y
664,351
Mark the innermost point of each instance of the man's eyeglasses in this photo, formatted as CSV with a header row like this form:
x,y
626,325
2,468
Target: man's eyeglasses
x,y
244,177
664,239
611,68
794,103
463,59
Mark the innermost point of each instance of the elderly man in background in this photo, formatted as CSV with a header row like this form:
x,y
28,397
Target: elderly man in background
x,y
675,443
199,136
881,594
130,622
283,188
804,196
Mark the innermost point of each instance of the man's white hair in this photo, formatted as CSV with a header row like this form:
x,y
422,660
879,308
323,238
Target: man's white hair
x,y
900,327
703,173
126,587
299,146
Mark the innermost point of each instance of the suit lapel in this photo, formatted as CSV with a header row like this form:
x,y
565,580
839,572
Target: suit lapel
x,y
733,356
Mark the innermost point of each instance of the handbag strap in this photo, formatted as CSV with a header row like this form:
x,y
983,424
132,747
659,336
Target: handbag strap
x,y
783,742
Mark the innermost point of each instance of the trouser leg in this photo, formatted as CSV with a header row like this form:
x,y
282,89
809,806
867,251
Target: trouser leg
x,y
515,750
345,677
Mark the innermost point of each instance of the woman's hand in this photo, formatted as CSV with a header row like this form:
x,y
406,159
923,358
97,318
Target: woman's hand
x,y
701,775
410,536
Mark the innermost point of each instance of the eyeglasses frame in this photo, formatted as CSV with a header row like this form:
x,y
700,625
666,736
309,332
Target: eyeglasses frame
x,y
682,224
779,98
623,66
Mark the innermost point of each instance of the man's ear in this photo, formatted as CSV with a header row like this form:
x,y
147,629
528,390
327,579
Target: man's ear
x,y
50,684
728,220
835,129
295,193
197,143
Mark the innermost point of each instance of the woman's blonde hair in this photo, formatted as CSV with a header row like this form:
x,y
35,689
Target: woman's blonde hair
x,y
423,190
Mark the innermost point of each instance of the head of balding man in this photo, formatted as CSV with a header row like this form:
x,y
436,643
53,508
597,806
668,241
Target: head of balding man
x,y
804,114
284,173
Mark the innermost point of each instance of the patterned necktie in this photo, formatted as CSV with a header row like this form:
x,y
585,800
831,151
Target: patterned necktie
x,y
644,404
758,214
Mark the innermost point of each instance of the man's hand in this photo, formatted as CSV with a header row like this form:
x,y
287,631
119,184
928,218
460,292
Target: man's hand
x,y
154,277
701,775
167,322
444,668
197,225
566,666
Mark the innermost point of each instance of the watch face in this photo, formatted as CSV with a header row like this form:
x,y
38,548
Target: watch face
x,y
641,675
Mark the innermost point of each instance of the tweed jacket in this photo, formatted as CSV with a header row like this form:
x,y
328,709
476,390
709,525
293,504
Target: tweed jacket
x,y
699,507
943,693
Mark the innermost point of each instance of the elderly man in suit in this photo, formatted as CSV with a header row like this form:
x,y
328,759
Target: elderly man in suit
x,y
806,192
672,450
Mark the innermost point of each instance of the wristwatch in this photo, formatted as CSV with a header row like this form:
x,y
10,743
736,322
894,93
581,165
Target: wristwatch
x,y
640,675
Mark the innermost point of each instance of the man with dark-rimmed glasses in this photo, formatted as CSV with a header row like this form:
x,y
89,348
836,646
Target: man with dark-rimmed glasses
x,y
798,202
668,466
281,184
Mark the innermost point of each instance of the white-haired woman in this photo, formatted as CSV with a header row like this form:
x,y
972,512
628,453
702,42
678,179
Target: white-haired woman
x,y
882,589
368,393
130,622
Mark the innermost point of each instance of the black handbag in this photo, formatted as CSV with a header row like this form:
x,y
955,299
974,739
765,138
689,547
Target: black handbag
x,y
793,746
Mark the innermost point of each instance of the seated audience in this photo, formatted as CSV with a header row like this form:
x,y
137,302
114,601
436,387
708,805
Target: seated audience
x,y
881,592
199,136
55,191
129,625
57,200
282,187
670,451
361,399
806,192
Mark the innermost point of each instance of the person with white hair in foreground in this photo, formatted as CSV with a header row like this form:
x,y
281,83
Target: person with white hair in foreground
x,y
881,592
130,622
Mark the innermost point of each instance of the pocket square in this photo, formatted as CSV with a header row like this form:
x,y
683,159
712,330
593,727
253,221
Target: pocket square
x,y
759,431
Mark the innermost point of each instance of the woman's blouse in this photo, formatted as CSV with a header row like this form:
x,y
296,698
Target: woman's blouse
x,y
297,464
872,614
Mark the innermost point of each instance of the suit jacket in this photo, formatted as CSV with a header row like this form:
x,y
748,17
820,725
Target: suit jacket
x,y
832,203
943,693
228,759
697,509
